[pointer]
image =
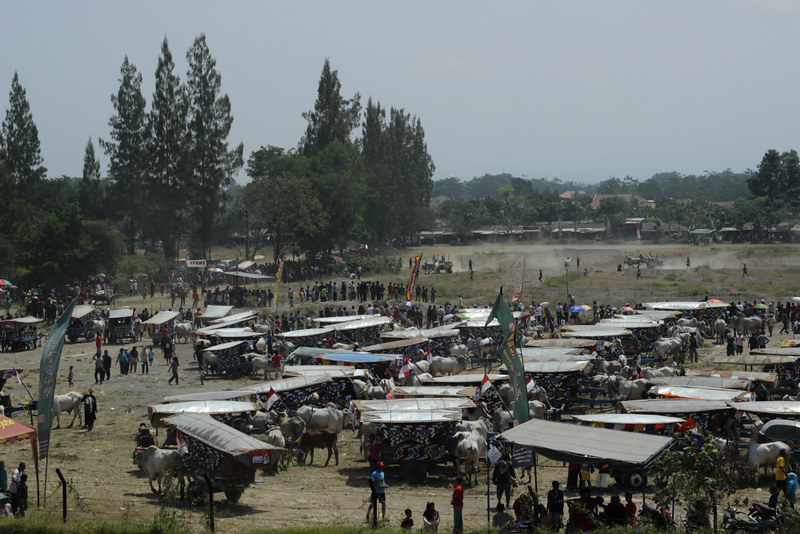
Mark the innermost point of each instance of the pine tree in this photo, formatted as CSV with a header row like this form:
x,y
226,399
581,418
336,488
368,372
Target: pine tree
x,y
21,144
168,149
210,120
89,190
333,117
127,149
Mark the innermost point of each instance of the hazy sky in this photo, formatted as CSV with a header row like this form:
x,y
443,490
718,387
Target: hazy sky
x,y
579,90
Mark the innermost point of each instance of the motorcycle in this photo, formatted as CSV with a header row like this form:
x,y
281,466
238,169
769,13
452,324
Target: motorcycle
x,y
691,521
751,523
660,518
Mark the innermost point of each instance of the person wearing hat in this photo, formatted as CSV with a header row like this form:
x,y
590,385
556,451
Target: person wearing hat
x,y
89,408
378,485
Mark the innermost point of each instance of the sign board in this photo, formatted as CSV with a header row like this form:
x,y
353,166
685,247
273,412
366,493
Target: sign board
x,y
522,456
493,454
195,263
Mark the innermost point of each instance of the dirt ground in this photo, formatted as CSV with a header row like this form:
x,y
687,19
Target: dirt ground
x,y
105,486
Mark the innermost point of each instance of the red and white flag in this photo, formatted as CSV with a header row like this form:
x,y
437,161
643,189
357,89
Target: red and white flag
x,y
406,369
485,384
429,356
272,398
530,384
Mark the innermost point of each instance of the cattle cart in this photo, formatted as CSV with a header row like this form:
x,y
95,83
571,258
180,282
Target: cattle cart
x,y
217,452
20,333
157,323
80,323
120,326
415,441
231,362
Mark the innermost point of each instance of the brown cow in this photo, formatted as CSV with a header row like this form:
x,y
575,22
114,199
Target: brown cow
x,y
318,438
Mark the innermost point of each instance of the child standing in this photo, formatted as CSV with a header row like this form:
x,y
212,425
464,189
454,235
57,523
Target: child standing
x,y
70,375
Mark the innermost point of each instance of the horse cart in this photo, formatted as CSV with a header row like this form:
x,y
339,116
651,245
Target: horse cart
x,y
218,456
20,333
80,323
120,326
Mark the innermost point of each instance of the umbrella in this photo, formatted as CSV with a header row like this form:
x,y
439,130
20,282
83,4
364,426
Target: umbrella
x,y
409,304
761,307
626,309
216,270
544,304
5,282
714,301
578,309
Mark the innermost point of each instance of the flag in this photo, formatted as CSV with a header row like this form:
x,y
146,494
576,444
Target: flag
x,y
48,370
413,280
485,384
429,356
519,274
508,354
406,369
272,398
530,384
16,373
688,425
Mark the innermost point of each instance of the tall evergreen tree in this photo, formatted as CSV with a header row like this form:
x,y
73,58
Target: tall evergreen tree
x,y
127,149
210,120
333,117
21,144
169,150
89,189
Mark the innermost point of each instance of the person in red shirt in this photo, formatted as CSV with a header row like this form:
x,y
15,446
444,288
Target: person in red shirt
x,y
581,511
630,508
98,342
276,364
458,506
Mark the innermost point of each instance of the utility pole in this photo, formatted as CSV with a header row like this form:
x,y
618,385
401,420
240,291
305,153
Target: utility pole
x,y
567,265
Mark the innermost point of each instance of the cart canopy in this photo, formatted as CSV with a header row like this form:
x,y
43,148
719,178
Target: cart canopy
x,y
700,381
225,346
411,417
202,396
561,342
431,391
675,406
769,408
701,393
162,317
782,430
466,379
334,371
217,435
586,444
389,346
442,332
549,367
28,320
81,310
215,312
595,331
234,333
287,384
414,404
340,319
355,358
124,313
372,322
628,419
159,412
231,320
308,332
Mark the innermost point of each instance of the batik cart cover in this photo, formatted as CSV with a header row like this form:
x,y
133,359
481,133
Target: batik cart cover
x,y
414,435
699,393
158,412
364,332
414,404
154,324
701,381
294,391
214,313
585,444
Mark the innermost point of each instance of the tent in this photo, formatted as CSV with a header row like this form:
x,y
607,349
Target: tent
x,y
11,431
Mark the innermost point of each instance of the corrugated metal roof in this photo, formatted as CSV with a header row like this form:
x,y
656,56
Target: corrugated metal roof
x,y
218,435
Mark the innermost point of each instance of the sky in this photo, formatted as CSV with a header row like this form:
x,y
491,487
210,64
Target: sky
x,y
580,90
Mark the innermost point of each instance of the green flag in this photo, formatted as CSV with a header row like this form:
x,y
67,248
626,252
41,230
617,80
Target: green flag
x,y
509,357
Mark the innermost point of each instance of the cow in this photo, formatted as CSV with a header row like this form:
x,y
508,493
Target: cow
x,y
744,325
157,462
329,417
318,438
292,427
183,330
467,447
259,363
502,420
210,361
537,409
138,328
661,372
448,366
663,347
260,420
763,454
278,458
68,402
720,327
481,426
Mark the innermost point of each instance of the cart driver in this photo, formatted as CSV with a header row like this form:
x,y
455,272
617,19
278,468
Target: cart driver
x,y
143,437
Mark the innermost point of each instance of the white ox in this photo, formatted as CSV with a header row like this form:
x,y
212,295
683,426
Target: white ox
x,y
720,327
68,402
183,330
329,417
467,448
661,372
96,327
663,347
448,366
763,454
278,458
157,463
744,325
259,363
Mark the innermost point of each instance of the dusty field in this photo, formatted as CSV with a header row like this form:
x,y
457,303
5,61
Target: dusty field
x,y
106,486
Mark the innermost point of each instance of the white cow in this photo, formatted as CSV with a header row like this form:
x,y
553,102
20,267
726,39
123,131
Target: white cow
x,y
157,463
260,363
468,447
278,458
68,402
481,426
329,417
537,409
183,330
661,372
448,365
763,454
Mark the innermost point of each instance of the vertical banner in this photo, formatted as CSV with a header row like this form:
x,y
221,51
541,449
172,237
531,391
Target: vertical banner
x,y
519,275
278,277
508,354
48,369
413,280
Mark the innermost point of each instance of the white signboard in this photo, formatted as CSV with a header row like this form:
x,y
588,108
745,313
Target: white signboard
x,y
195,263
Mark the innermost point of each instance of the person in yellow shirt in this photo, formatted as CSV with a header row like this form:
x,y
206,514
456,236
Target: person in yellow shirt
x,y
780,471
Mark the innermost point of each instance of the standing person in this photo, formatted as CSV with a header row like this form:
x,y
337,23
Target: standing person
x,y
107,364
122,360
173,366
630,508
145,361
573,472
276,365
14,486
688,263
22,495
781,471
693,348
744,271
150,357
378,484
470,269
70,376
89,408
555,505
99,370
134,361
791,488
502,477
98,342
458,497
638,271
540,276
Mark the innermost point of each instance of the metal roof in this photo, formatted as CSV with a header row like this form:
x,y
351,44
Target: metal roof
x,y
699,393
432,416
586,444
124,313
162,317
81,310
159,412
414,404
218,435
628,419
674,406
700,381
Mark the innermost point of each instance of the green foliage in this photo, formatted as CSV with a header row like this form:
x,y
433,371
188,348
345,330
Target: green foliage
x,y
21,148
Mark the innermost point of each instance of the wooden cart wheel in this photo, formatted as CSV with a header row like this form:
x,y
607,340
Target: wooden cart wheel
x,y
634,479
233,495
415,472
